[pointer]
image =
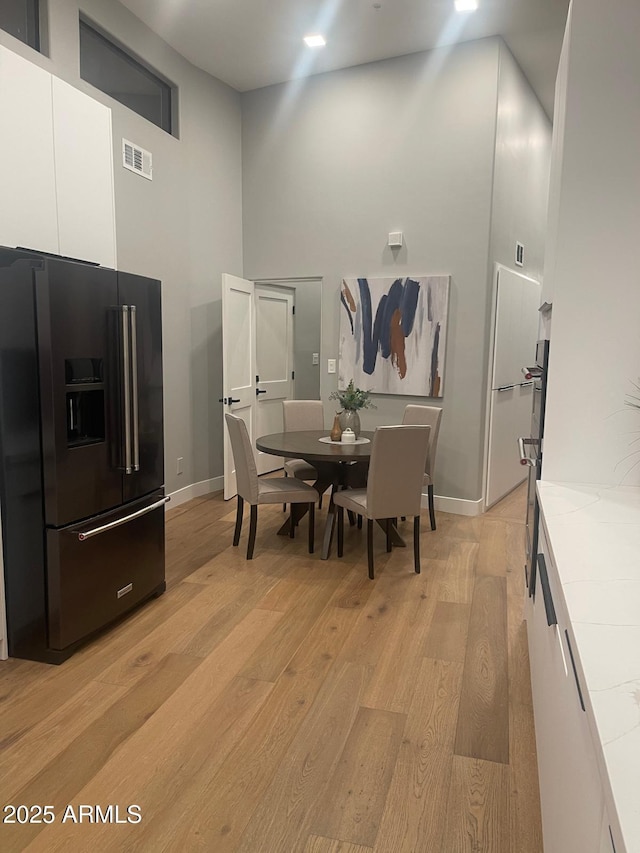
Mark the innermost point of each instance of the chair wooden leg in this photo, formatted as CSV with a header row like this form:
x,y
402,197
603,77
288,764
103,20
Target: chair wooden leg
x,y
432,508
312,525
359,522
416,543
252,531
340,531
370,546
320,503
239,509
284,506
292,524
387,529
352,517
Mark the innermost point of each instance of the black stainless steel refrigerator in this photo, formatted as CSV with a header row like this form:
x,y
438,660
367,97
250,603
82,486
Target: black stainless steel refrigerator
x,y
81,449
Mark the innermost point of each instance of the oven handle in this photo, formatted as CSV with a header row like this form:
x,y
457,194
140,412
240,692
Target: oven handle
x,y
104,527
524,459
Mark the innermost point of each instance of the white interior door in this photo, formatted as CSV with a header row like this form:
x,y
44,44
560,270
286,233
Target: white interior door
x,y
238,364
274,364
516,326
516,317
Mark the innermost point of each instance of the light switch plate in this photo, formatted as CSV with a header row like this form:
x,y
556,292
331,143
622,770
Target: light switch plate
x,y
331,365
316,358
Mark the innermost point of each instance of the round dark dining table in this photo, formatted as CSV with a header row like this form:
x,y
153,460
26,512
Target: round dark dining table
x,y
332,462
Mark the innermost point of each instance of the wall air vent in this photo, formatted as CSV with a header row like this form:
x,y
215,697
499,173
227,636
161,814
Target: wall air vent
x,y
136,159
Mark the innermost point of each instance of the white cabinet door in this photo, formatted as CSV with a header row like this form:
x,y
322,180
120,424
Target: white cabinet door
x,y
570,789
27,178
84,175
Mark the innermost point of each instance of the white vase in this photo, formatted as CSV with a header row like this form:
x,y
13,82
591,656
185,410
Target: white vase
x,y
350,419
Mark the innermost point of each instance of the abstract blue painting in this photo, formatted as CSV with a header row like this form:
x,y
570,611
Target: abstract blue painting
x,y
393,334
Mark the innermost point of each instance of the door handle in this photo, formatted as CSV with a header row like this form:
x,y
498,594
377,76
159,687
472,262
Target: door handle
x,y
134,388
546,592
126,378
524,459
260,391
231,400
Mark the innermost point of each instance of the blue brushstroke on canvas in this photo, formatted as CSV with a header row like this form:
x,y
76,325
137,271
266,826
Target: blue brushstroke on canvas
x,y
401,297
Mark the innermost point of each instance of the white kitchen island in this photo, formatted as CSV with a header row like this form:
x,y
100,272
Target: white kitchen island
x,y
585,668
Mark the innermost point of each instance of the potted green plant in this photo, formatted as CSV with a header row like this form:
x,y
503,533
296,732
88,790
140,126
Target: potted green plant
x,y
351,400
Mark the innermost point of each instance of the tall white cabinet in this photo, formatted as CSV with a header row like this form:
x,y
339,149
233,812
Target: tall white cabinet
x,y
56,165
28,214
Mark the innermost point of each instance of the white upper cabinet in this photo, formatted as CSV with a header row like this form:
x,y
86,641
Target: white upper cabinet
x,y
27,178
56,165
84,175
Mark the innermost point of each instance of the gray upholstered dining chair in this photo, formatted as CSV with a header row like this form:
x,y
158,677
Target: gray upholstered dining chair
x,y
273,490
394,485
298,415
427,416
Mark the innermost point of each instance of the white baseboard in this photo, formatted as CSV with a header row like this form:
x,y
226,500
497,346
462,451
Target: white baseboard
x,y
457,506
195,490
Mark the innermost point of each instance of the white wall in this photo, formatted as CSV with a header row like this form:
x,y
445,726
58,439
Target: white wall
x,y
595,338
184,227
521,173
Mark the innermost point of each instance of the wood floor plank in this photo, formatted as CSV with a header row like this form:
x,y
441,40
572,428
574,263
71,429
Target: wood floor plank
x,y
478,807
58,782
415,810
457,579
492,548
483,718
41,743
281,821
447,635
316,844
272,657
524,797
394,676
351,808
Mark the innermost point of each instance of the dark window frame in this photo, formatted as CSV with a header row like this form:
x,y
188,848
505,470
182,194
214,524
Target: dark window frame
x,y
167,90
31,9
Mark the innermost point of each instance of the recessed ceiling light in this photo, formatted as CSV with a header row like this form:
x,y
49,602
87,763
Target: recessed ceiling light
x,y
314,41
466,5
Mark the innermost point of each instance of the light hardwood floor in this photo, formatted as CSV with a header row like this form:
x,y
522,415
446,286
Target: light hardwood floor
x,y
289,704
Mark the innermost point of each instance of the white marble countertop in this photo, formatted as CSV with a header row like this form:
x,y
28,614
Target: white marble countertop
x,y
594,537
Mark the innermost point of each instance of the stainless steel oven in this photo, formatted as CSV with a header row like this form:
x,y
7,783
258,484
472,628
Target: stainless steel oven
x,y
531,455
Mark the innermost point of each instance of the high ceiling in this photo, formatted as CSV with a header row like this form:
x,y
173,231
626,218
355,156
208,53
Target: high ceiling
x,y
253,43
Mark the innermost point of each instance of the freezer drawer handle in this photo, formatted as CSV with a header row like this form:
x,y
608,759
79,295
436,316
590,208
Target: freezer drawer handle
x,y
104,527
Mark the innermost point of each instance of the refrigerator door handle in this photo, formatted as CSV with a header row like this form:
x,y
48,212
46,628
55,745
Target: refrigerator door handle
x,y
126,384
87,534
134,389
